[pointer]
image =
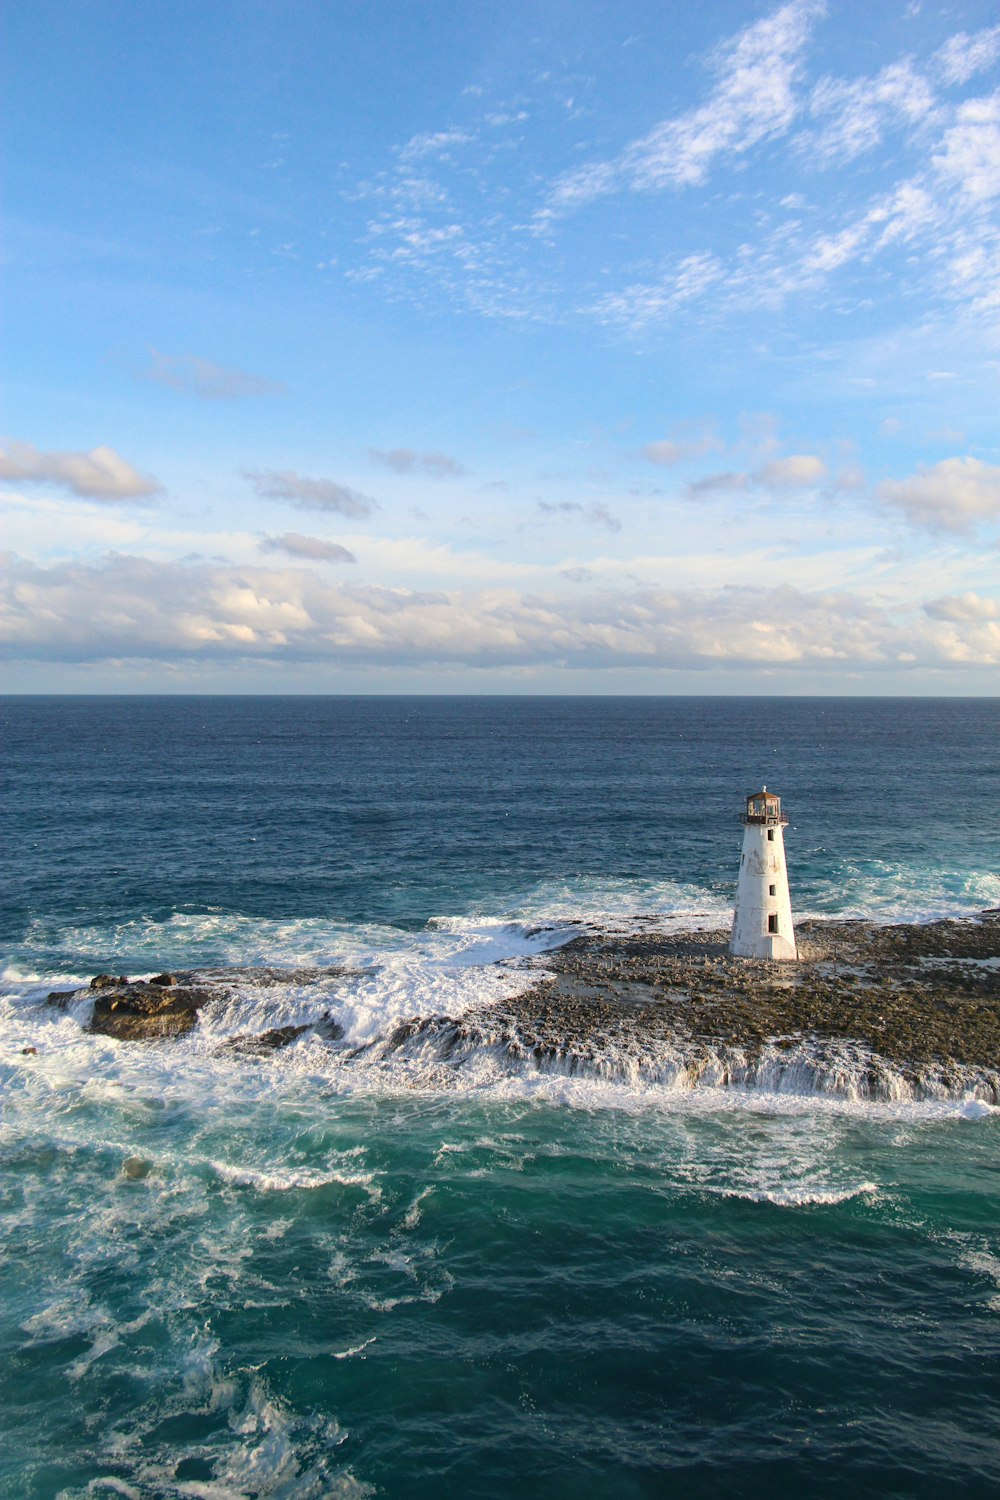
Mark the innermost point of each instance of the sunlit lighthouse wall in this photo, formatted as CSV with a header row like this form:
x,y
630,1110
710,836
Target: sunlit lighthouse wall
x,y
762,921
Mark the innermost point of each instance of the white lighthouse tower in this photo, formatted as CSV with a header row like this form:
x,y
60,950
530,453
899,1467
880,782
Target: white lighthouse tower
x,y
762,921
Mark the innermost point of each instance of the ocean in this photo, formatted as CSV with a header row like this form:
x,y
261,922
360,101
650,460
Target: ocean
x,y
339,1274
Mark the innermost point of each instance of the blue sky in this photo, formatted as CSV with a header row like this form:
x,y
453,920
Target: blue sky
x,y
537,347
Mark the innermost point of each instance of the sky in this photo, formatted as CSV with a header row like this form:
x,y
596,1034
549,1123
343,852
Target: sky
x,y
554,346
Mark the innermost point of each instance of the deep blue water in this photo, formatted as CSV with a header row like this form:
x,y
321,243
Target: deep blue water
x,y
400,1283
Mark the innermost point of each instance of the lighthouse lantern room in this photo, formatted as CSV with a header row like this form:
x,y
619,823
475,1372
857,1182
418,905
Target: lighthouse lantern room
x,y
762,921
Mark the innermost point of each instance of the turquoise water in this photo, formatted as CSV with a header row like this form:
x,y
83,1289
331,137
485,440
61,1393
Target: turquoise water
x,y
404,1280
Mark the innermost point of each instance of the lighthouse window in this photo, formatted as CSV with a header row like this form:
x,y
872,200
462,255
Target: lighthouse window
x,y
770,835
772,922
772,890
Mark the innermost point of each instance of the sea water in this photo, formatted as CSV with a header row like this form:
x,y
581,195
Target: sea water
x,y
233,1276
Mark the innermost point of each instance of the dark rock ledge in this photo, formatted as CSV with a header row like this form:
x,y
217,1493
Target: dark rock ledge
x,y
916,1002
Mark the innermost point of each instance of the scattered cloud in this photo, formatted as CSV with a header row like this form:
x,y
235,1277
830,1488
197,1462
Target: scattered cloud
x,y
754,99
311,494
970,158
668,452
949,496
101,474
313,548
857,114
718,484
600,515
194,376
796,470
963,607
408,461
131,606
434,143
962,55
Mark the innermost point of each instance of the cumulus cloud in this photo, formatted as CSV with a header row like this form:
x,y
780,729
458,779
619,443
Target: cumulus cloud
x,y
101,474
311,494
754,99
137,608
408,461
315,548
963,607
194,376
798,469
667,452
949,496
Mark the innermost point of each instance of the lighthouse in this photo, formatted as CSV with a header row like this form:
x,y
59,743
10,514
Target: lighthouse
x,y
762,921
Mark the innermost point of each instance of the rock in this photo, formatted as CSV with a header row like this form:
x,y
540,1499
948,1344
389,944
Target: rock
x,y
163,980
281,1036
61,998
29,1051
145,1012
135,1168
107,982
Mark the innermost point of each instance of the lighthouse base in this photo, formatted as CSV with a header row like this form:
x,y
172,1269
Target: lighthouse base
x,y
773,945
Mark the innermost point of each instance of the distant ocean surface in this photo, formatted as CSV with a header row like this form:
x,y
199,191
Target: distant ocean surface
x,y
412,1282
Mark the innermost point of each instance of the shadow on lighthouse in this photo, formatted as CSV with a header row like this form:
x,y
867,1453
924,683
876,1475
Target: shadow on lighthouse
x,y
762,921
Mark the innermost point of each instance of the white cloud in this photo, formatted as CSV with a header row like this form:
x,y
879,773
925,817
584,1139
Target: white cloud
x,y
101,474
795,470
858,113
194,376
963,607
314,548
311,494
667,452
963,55
129,606
434,143
970,159
950,496
754,99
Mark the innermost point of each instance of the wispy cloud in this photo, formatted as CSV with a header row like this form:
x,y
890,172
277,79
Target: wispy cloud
x,y
755,98
409,461
434,143
311,494
962,55
101,474
599,515
312,548
858,113
193,376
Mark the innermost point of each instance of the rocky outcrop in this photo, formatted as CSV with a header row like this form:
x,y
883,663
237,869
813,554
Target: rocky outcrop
x,y
142,1012
869,1009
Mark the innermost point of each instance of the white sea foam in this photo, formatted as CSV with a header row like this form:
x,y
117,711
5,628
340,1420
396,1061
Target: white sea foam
x,y
290,1179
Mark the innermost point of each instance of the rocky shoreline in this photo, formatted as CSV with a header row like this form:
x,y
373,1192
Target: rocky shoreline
x,y
915,1006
